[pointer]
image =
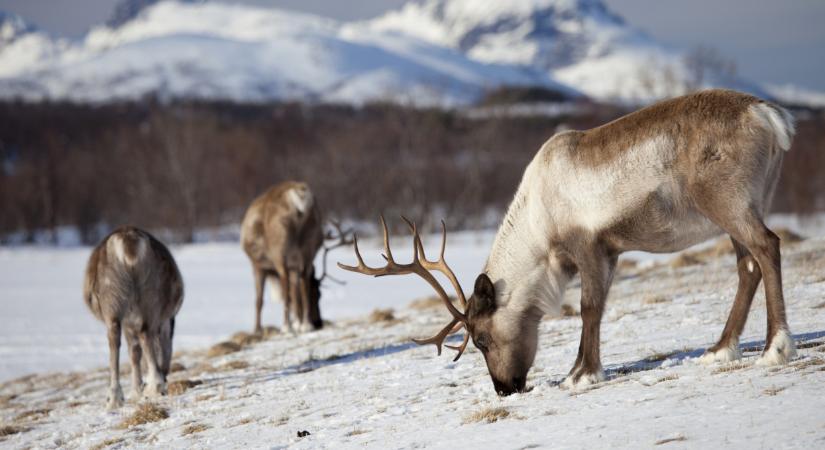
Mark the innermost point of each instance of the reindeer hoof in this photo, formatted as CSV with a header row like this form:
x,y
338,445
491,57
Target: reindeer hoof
x,y
115,399
781,350
154,390
137,391
578,380
726,354
305,327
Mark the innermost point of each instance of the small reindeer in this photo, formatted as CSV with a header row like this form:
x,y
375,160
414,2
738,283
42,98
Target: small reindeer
x,y
133,284
658,180
281,233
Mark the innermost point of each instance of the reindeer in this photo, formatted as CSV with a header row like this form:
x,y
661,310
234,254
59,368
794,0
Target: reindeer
x,y
133,284
658,180
281,233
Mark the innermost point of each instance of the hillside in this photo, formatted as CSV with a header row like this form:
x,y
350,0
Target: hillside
x,y
360,382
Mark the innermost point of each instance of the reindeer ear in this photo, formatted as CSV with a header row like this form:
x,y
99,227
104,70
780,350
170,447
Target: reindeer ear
x,y
484,295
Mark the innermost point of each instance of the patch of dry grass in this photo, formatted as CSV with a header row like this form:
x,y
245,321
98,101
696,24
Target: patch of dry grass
x,y
176,367
685,260
670,439
627,265
357,431
488,415
382,315
568,310
787,236
773,391
8,430
178,387
223,348
238,364
33,414
145,413
194,428
655,300
106,443
244,339
730,367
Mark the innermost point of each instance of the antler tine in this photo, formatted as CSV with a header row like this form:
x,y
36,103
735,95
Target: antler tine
x,y
440,264
460,348
438,339
387,252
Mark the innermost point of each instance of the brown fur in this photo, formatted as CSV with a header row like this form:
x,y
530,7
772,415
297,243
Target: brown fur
x,y
133,285
715,162
281,243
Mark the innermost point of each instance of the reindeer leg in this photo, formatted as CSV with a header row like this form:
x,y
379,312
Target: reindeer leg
x,y
284,278
727,349
115,399
135,355
596,268
748,229
295,299
156,383
306,321
260,280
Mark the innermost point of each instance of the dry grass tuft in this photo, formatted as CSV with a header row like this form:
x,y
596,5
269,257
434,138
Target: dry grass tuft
x,y
33,414
488,415
271,331
670,439
176,367
787,236
244,339
569,311
224,348
671,377
178,387
382,315
6,399
235,365
357,431
145,413
655,300
773,391
685,260
9,430
627,265
194,428
106,443
730,367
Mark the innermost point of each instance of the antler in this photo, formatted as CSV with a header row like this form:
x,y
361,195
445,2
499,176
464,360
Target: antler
x,y
343,239
421,266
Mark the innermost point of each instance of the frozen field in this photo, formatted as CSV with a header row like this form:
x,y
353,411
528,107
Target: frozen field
x,y
360,382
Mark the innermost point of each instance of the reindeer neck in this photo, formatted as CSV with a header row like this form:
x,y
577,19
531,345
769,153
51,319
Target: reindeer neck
x,y
525,271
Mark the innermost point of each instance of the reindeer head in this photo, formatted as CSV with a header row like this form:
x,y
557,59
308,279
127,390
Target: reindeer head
x,y
508,347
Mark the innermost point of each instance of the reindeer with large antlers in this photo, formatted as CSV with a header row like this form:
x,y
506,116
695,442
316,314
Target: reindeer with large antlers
x,y
658,180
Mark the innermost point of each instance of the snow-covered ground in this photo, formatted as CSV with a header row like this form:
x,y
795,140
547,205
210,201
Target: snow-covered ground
x,y
360,382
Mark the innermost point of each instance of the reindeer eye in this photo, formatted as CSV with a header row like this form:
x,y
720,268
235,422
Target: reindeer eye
x,y
482,341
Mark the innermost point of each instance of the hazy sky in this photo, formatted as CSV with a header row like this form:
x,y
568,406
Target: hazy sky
x,y
775,41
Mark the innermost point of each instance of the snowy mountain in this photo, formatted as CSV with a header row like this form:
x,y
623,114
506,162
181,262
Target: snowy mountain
x,y
428,52
578,42
244,53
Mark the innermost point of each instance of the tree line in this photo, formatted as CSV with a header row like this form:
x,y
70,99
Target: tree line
x,y
187,165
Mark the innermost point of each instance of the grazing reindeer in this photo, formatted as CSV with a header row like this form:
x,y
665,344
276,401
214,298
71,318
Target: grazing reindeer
x,y
133,284
657,180
281,232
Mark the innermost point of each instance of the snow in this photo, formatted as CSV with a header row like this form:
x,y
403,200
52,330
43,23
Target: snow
x,y
578,42
357,383
245,53
796,95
